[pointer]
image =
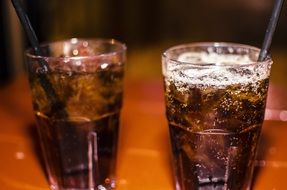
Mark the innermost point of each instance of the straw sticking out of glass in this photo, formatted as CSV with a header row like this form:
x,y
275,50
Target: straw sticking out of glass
x,y
270,30
45,83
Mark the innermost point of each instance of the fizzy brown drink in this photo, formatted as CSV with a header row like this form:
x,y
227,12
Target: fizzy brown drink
x,y
77,103
83,145
215,110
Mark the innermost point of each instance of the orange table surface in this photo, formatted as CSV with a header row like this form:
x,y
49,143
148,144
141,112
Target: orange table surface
x,y
144,149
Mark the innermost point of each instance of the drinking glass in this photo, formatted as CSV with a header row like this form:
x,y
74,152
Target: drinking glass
x,y
77,89
215,96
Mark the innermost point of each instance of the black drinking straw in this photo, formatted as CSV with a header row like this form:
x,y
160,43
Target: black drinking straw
x,y
66,148
270,30
45,83
29,31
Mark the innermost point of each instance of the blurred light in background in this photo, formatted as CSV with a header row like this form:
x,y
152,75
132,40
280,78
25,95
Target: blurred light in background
x,y
148,22
11,42
150,26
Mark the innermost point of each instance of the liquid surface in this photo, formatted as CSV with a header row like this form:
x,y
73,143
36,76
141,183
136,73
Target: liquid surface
x,y
211,69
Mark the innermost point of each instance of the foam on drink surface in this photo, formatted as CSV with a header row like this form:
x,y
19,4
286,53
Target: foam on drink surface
x,y
213,69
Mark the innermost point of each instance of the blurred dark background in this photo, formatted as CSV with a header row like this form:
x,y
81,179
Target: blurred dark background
x,y
146,26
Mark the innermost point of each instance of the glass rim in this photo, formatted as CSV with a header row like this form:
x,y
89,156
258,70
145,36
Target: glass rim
x,y
122,48
214,44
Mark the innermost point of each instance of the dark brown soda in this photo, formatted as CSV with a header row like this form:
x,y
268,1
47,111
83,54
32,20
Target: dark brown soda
x,y
80,146
214,131
80,154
